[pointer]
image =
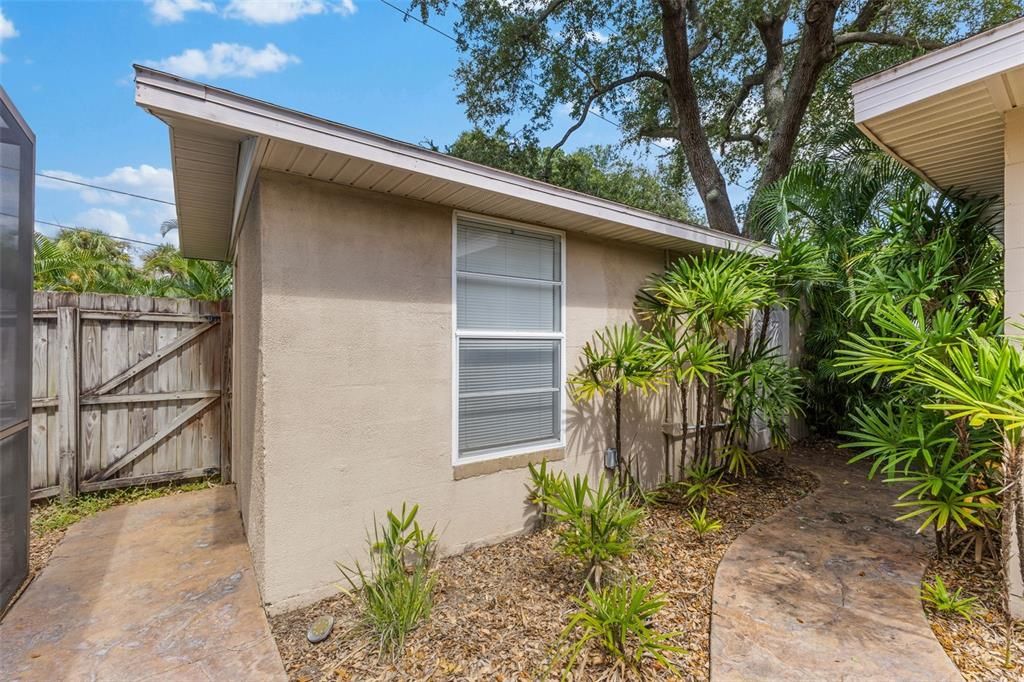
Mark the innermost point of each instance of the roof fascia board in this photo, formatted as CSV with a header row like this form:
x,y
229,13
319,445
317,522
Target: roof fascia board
x,y
165,94
968,61
250,157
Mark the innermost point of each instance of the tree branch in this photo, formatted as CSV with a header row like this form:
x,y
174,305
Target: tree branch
x,y
599,91
854,37
753,138
700,26
746,86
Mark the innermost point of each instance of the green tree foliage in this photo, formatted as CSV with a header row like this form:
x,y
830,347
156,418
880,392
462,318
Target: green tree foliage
x,y
597,170
86,261
738,85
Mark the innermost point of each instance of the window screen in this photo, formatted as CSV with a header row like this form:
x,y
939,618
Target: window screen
x,y
509,337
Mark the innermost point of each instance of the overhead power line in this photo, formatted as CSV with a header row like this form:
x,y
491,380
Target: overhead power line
x,y
105,189
99,232
418,20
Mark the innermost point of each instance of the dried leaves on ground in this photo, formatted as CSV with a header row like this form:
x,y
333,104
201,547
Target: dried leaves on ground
x,y
499,609
985,648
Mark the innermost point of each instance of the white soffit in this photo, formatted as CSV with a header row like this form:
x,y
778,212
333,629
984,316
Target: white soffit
x,y
220,140
942,113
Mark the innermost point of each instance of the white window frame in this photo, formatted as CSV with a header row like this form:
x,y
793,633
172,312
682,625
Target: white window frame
x,y
497,334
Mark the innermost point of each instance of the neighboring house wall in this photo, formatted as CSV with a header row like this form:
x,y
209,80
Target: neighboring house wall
x,y
247,384
1013,237
350,306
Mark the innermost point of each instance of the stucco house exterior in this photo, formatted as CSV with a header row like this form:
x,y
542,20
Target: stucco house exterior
x,y
404,323
956,117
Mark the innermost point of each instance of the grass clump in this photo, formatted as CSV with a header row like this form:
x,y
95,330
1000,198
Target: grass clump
x,y
58,515
396,591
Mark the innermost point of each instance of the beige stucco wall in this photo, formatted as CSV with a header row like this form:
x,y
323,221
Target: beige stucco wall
x,y
1013,236
247,384
355,326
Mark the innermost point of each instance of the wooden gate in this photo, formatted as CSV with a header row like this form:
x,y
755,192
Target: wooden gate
x,y
128,390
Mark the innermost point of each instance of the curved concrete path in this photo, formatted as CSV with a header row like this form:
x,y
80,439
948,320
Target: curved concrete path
x,y
159,590
826,589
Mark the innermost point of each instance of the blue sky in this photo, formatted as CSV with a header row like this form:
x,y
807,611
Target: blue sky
x,y
67,66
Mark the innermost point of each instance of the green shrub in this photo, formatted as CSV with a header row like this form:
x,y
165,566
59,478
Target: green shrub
x,y
702,524
942,600
617,618
397,590
596,525
704,481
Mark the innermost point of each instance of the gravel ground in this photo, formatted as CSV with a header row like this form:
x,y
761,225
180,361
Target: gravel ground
x,y
979,646
499,609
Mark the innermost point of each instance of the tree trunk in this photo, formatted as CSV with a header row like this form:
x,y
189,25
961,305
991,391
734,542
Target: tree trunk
x,y
817,48
618,436
683,390
710,418
683,93
1013,520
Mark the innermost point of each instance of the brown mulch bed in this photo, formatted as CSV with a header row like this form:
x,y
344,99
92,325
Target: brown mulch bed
x,y
499,609
978,647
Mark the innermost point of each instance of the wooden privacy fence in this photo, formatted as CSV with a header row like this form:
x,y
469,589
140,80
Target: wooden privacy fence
x,y
128,390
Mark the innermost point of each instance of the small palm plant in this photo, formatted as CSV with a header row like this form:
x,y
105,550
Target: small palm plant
x,y
704,481
618,619
595,525
938,596
617,361
702,524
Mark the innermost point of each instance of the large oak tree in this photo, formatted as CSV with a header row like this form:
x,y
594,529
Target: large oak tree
x,y
734,84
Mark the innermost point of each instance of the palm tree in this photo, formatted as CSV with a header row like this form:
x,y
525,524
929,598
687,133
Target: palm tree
x,y
81,260
171,274
616,361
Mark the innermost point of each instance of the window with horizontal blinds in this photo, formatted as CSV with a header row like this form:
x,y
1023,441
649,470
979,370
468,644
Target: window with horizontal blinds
x,y
509,336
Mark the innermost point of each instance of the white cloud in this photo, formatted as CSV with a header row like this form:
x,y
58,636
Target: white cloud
x,y
226,60
284,11
597,37
105,219
7,29
117,214
144,180
172,11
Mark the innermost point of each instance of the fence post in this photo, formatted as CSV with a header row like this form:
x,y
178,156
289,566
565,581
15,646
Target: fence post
x,y
67,400
227,321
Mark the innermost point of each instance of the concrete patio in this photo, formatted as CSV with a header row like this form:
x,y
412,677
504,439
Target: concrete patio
x,y
159,590
827,589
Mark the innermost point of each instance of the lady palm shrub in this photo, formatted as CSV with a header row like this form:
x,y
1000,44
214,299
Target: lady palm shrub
x,y
618,619
709,316
596,526
616,362
396,590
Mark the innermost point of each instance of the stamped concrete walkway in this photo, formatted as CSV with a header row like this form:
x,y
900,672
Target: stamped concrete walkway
x,y
826,589
159,590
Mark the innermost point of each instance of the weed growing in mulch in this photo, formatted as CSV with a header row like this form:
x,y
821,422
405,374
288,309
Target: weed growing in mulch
x,y
984,648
